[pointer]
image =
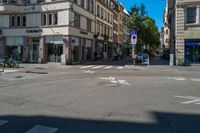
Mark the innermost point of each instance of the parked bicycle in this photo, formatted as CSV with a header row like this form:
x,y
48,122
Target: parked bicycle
x,y
8,62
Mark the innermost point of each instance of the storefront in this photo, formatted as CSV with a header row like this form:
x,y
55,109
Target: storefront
x,y
54,48
99,51
88,50
75,45
192,52
33,49
14,47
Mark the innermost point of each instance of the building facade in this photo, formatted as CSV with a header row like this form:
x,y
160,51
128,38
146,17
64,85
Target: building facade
x,y
104,29
44,30
65,31
187,34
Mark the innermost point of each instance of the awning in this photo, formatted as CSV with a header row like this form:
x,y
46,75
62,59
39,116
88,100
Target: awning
x,y
54,39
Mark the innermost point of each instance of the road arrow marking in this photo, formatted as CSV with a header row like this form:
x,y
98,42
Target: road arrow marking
x,y
190,99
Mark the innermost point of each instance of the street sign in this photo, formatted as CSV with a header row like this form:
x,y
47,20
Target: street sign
x,y
133,38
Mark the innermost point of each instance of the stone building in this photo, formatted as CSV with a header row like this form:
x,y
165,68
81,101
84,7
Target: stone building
x,y
46,30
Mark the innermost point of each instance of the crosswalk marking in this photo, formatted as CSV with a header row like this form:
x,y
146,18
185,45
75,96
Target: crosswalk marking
x,y
96,67
2,122
87,66
42,129
120,67
108,67
105,67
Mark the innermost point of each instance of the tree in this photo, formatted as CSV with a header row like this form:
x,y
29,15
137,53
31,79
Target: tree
x,y
145,26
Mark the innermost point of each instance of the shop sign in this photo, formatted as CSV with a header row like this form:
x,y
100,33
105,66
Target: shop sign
x,y
34,31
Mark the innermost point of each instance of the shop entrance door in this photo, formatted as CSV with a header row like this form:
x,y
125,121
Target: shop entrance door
x,y
33,51
75,54
54,52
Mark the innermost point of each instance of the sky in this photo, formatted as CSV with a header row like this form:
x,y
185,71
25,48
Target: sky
x,y
155,8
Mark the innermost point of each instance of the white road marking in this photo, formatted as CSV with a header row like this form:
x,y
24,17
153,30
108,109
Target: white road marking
x,y
195,79
120,67
87,66
42,129
88,71
191,99
178,78
2,122
97,67
112,80
10,71
108,67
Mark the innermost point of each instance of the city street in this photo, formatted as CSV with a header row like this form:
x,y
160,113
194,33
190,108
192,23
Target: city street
x,y
50,98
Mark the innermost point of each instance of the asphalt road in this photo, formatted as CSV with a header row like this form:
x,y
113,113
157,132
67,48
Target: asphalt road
x,y
100,99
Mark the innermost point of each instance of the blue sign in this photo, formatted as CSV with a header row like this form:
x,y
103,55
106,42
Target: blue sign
x,y
192,43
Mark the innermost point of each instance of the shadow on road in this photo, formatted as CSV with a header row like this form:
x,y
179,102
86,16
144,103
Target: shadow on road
x,y
159,61
164,123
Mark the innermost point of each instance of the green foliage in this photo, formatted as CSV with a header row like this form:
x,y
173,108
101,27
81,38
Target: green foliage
x,y
145,26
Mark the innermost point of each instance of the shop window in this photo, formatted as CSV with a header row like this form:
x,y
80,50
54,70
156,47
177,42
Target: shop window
x,y
191,15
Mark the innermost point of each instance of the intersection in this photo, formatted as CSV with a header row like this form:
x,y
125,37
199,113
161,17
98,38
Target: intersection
x,y
85,98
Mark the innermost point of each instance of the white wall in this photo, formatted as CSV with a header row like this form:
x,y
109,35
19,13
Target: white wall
x,y
83,23
4,21
33,20
63,17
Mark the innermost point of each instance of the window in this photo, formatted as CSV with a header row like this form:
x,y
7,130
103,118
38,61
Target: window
x,y
77,20
166,31
23,21
4,1
76,1
12,21
55,18
18,21
89,25
83,3
13,1
191,15
92,6
50,19
44,19
88,5
40,1
98,11
102,12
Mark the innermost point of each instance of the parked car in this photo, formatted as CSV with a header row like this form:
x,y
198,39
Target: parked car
x,y
139,57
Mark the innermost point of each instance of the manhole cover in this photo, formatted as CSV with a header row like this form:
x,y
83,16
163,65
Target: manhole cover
x,y
109,84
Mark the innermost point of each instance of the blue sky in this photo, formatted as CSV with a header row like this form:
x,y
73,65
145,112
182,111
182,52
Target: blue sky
x,y
155,8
